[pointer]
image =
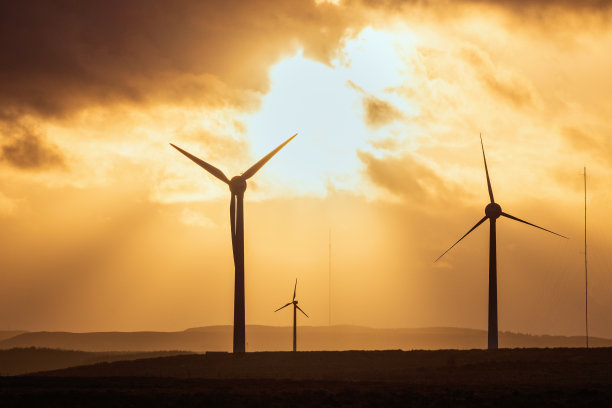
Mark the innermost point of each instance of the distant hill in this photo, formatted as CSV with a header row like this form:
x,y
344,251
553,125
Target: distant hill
x,y
214,339
26,360
7,334
270,338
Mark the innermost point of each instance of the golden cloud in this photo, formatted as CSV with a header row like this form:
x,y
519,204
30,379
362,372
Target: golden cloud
x,y
26,148
506,85
408,177
63,56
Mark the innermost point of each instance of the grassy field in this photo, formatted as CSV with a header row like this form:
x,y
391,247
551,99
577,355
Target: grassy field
x,y
507,377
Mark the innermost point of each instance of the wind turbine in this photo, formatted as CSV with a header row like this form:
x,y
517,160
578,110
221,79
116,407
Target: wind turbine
x,y
492,212
295,308
237,186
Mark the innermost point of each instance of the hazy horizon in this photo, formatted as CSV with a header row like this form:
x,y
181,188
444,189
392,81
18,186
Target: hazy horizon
x,y
289,326
279,338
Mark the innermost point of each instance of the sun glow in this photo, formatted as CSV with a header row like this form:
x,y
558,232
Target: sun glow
x,y
324,104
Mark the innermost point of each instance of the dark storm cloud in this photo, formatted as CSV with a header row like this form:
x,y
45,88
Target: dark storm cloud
x,y
26,149
61,56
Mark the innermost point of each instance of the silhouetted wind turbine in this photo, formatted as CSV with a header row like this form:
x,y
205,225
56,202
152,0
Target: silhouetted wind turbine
x,y
237,186
295,308
492,212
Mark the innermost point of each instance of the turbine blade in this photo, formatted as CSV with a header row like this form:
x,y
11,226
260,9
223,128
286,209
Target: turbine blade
x,y
254,168
466,234
294,288
487,171
302,311
533,225
208,167
233,225
290,303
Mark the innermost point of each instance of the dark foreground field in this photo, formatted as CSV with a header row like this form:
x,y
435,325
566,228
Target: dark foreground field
x,y
511,377
28,360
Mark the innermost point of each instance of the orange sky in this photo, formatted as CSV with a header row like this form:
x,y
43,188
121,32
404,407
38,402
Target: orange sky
x,y
105,227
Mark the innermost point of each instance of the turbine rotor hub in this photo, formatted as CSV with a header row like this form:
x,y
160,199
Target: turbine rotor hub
x,y
237,185
493,210
295,302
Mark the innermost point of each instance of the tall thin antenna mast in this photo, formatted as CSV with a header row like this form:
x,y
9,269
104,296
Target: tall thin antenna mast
x,y
329,283
586,280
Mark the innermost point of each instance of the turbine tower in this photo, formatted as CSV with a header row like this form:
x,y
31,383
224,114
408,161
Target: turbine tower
x,y
237,186
295,308
492,212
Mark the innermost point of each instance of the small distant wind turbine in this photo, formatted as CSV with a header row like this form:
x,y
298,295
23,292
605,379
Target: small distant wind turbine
x,y
237,186
295,308
492,212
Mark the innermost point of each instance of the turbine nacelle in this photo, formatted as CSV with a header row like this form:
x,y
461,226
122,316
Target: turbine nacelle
x,y
493,211
237,185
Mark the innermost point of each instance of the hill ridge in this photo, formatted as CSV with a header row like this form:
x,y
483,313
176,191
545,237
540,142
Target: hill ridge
x,y
278,338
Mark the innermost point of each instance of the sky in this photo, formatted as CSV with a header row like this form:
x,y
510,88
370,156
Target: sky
x,y
103,226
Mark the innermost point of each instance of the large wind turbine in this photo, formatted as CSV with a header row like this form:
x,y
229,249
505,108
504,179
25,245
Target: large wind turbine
x,y
492,212
295,308
237,186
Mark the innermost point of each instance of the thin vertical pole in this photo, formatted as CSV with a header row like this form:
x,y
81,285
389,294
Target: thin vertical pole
x,y
586,280
493,341
294,328
329,279
239,318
